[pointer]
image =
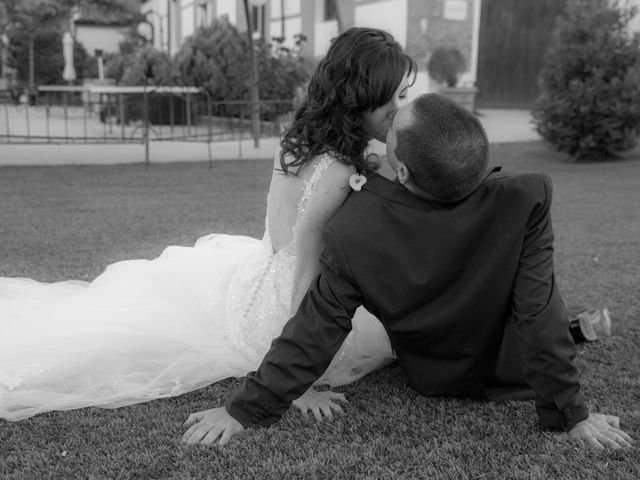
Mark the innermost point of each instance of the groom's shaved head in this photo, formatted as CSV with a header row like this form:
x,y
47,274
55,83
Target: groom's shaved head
x,y
445,148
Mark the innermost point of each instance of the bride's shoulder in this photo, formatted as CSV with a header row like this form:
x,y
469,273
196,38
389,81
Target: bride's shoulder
x,y
331,168
322,168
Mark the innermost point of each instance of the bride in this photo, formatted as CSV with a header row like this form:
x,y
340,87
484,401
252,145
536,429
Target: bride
x,y
147,329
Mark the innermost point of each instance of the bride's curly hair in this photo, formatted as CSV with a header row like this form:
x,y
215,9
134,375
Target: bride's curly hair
x,y
360,73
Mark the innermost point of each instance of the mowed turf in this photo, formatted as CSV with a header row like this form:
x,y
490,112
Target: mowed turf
x,y
70,222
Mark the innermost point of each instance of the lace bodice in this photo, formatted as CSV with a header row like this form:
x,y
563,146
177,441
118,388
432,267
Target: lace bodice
x,y
259,295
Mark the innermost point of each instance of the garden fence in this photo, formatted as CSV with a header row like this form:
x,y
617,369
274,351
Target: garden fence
x,y
137,114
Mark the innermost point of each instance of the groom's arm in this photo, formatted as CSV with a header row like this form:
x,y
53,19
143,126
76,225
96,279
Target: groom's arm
x,y
306,346
547,348
542,321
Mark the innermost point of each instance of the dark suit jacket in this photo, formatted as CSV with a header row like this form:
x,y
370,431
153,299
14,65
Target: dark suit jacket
x,y
447,282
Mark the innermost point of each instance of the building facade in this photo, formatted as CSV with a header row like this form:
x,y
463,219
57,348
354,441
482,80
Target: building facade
x,y
502,41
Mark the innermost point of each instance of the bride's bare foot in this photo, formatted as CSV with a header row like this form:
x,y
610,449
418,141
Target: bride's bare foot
x,y
320,403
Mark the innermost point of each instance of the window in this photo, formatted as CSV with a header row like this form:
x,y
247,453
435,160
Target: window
x,y
257,21
202,13
330,12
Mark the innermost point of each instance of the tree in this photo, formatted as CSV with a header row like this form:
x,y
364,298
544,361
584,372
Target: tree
x,y
126,12
589,105
48,45
30,18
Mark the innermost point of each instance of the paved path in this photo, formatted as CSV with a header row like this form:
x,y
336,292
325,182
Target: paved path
x,y
502,126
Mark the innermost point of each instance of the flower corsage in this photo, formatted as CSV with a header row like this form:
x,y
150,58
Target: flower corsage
x,y
356,181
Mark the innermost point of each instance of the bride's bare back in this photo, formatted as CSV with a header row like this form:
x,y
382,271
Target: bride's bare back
x,y
285,192
285,195
330,189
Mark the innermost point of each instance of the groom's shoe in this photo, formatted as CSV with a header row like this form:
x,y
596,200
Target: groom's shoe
x,y
591,325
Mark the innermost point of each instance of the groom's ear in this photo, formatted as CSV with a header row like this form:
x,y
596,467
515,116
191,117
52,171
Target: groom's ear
x,y
403,173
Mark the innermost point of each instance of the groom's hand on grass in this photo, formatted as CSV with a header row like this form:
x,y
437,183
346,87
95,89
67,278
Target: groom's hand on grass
x,y
322,404
601,432
207,426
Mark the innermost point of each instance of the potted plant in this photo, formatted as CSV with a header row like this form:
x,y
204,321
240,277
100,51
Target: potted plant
x,y
445,66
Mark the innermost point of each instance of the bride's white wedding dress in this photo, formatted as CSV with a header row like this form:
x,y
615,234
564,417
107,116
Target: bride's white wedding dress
x,y
146,329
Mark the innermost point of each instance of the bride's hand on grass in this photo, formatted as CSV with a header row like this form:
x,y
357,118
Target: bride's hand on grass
x,y
207,426
321,404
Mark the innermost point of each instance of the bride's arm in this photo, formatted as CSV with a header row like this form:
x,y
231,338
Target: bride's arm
x,y
327,196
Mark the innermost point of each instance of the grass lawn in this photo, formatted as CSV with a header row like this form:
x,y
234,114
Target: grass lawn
x,y
70,222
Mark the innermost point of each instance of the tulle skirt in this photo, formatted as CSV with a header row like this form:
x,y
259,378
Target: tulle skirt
x,y
142,330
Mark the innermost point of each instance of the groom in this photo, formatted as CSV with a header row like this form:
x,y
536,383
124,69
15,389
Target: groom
x,y
458,266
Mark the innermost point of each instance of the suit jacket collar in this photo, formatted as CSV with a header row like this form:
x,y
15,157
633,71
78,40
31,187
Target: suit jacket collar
x,y
393,191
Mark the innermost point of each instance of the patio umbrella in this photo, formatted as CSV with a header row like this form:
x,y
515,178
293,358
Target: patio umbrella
x,y
69,73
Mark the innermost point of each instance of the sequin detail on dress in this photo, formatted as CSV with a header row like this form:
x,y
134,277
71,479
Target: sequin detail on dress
x,y
260,293
17,378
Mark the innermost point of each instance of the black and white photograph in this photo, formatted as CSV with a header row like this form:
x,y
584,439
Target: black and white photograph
x,y
319,239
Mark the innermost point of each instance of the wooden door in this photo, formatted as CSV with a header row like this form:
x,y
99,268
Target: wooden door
x,y
514,35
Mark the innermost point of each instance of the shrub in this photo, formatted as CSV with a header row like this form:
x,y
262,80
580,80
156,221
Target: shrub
x,y
129,67
217,59
589,106
134,61
281,72
445,65
149,62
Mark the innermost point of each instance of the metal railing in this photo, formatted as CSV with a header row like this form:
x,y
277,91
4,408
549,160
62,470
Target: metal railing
x,y
136,114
